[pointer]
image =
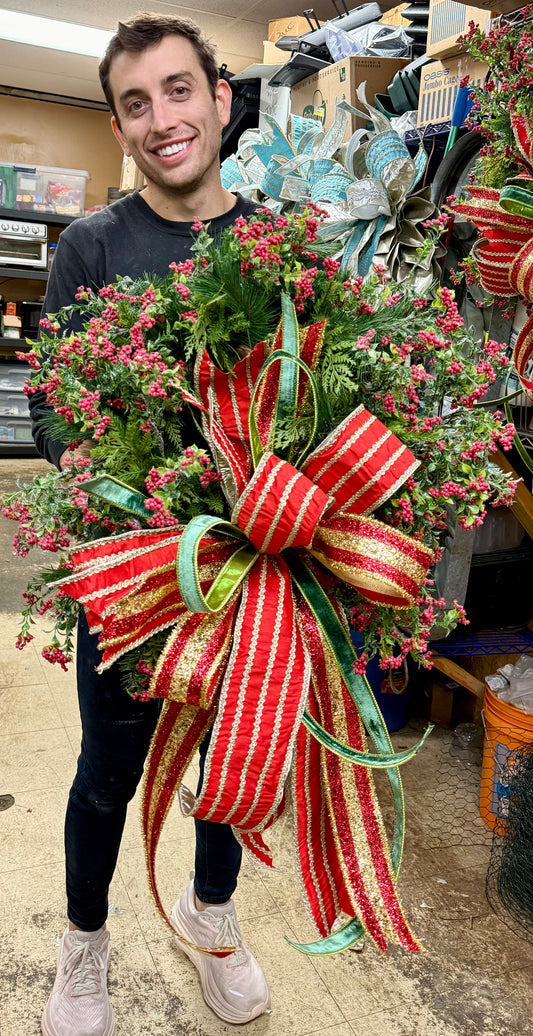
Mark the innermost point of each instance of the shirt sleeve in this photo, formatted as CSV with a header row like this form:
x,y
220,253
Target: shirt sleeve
x,y
67,274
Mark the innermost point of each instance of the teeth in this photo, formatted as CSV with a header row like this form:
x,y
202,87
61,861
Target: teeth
x,y
173,149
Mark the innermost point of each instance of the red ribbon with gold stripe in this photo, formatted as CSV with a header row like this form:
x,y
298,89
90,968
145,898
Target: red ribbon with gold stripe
x,y
504,255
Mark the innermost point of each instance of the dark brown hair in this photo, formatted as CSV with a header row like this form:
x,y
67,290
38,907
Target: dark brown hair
x,y
145,30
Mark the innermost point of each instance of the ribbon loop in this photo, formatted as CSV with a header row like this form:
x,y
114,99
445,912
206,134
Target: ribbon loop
x,y
280,507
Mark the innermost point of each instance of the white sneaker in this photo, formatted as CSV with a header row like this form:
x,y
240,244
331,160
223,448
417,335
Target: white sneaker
x,y
78,1004
234,987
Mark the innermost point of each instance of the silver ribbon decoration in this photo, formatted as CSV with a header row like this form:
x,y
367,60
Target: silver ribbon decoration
x,y
366,185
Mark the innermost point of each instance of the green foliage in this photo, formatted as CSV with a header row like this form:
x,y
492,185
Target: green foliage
x,y
233,313
137,665
127,453
505,97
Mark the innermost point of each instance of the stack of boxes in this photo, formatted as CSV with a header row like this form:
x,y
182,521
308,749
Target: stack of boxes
x,y
315,96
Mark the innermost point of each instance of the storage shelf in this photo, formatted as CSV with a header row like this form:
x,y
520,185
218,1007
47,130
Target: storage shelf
x,y
25,273
489,643
15,343
9,347
51,219
17,449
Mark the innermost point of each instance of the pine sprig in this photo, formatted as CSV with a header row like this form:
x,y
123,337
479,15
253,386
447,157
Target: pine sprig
x,y
127,452
233,313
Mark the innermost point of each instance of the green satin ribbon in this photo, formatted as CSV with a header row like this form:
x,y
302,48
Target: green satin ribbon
x,y
347,936
230,576
358,687
517,200
110,489
282,355
287,398
376,762
361,693
287,394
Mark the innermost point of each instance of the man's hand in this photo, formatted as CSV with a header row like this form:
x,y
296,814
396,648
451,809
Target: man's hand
x,y
82,452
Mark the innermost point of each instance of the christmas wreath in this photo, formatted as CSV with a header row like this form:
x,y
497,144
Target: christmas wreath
x,y
277,448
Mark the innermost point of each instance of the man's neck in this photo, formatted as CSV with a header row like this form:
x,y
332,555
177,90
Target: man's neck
x,y
179,208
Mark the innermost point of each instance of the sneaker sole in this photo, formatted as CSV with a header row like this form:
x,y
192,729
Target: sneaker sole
x,y
199,961
49,1032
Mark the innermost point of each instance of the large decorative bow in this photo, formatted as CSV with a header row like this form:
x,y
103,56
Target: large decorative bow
x,y
258,649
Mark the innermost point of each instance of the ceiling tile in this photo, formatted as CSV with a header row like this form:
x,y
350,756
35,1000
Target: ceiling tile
x,y
236,27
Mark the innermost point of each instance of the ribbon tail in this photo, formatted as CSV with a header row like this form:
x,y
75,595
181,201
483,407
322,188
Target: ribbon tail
x,y
255,843
128,589
113,491
262,699
344,854
342,939
180,731
370,759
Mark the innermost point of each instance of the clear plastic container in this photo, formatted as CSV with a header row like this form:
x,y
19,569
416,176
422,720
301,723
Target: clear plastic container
x,y
13,404
15,430
42,188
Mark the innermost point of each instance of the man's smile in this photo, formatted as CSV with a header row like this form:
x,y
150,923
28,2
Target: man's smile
x,y
171,149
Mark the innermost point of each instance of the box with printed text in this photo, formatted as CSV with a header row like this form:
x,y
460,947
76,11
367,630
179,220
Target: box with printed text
x,y
439,83
315,96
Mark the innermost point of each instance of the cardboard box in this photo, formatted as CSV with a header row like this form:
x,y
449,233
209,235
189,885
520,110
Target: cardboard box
x,y
394,16
315,96
447,21
439,83
295,25
272,55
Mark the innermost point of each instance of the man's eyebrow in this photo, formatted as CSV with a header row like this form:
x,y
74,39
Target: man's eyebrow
x,y
134,91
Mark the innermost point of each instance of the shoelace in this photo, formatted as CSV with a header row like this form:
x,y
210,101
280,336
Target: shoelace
x,y
228,934
87,966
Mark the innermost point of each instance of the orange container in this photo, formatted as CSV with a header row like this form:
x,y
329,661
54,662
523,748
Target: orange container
x,y
507,730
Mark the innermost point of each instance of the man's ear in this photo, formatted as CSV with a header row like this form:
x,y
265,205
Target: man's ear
x,y
120,136
223,96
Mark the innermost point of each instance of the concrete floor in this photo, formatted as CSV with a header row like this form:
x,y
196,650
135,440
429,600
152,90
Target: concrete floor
x,y
475,977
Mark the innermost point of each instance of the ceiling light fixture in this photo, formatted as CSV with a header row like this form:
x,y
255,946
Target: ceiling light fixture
x,y
19,27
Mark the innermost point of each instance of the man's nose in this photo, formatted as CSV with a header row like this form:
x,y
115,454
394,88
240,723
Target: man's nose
x,y
163,115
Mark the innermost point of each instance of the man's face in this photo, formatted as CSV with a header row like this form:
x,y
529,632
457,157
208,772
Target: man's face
x,y
170,123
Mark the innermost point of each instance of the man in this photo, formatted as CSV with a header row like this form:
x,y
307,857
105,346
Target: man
x,y
161,81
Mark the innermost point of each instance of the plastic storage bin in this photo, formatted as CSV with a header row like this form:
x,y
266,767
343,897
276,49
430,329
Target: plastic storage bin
x,y
13,378
13,404
15,431
15,422
42,188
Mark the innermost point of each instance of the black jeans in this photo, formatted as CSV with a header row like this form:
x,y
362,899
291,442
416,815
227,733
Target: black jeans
x,y
116,734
